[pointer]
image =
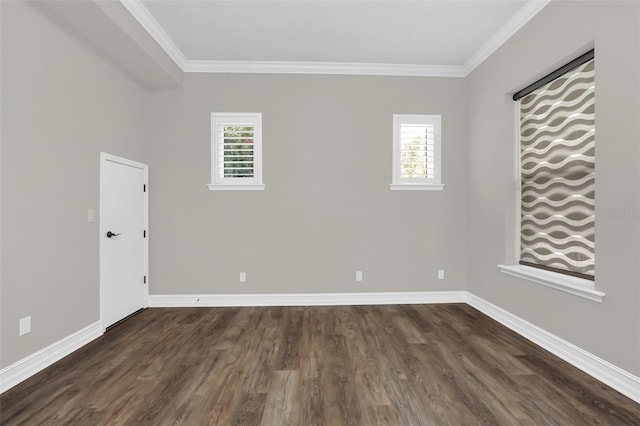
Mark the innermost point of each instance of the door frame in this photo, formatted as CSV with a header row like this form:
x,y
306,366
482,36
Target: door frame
x,y
104,158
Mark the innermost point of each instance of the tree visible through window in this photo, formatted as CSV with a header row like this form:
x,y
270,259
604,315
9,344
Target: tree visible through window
x,y
416,162
237,151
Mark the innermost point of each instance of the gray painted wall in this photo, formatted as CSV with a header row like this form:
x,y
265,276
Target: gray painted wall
x,y
610,330
61,105
327,209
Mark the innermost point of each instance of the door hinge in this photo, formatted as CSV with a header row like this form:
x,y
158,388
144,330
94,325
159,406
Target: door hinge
x,y
144,188
144,234
145,279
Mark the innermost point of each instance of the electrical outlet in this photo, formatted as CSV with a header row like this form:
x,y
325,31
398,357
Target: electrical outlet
x,y
25,325
243,277
441,274
358,275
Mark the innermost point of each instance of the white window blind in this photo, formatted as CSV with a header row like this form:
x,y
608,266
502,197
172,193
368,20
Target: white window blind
x,y
416,149
236,146
235,152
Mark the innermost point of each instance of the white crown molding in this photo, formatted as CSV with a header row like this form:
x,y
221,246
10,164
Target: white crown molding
x,y
28,366
335,68
517,21
305,299
149,23
609,374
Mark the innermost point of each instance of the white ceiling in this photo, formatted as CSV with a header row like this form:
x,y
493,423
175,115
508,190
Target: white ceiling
x,y
448,36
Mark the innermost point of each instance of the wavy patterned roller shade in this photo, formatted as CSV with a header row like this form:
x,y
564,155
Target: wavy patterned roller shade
x,y
557,125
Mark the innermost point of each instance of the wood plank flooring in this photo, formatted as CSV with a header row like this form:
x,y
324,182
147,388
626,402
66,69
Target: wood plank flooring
x,y
272,366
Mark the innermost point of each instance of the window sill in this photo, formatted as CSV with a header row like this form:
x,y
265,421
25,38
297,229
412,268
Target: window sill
x,y
242,187
574,285
416,187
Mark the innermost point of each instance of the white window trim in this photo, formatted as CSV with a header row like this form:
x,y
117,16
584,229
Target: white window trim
x,y
569,284
235,187
398,184
573,285
416,187
237,184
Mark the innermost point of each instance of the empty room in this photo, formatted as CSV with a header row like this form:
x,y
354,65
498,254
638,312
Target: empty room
x,y
319,212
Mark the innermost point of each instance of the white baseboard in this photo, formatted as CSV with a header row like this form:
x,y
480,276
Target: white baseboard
x,y
26,367
619,379
305,299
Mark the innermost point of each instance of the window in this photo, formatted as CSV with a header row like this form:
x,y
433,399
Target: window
x,y
236,151
416,152
557,179
557,166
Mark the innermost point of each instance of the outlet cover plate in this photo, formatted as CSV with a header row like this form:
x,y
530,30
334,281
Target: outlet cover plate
x,y
25,325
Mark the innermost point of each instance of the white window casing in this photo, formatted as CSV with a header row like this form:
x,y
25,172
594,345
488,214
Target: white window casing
x,y
416,152
236,151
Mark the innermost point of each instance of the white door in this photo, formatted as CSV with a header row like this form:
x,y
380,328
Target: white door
x,y
123,248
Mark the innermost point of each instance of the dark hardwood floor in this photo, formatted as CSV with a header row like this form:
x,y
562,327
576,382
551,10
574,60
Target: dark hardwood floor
x,y
359,365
